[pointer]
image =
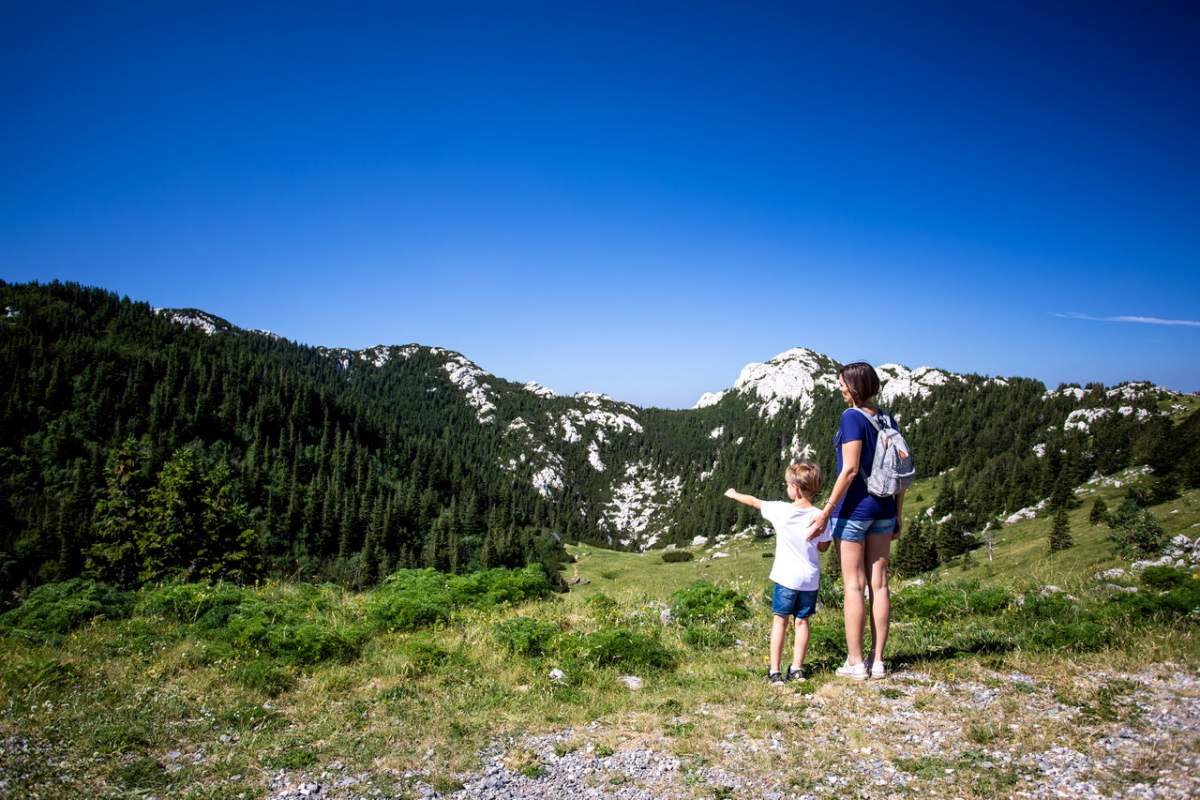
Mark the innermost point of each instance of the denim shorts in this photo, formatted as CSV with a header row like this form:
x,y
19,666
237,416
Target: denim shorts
x,y
857,530
793,602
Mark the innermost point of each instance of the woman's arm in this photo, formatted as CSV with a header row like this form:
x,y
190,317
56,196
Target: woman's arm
x,y
851,454
744,499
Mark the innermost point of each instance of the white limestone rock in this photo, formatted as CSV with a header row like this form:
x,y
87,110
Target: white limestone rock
x,y
709,399
534,387
1081,419
594,457
899,381
793,375
1065,391
636,500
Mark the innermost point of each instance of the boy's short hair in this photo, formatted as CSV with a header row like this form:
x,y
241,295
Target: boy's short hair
x,y
805,476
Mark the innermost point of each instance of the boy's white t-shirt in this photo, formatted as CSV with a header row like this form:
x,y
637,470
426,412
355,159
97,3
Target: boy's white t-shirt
x,y
797,560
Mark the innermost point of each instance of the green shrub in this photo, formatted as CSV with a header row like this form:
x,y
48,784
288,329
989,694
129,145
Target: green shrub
x,y
1164,489
702,602
1167,594
289,626
416,598
425,655
1166,578
950,600
265,676
525,636
57,608
624,649
677,556
273,631
493,587
1136,532
707,637
396,611
1055,622
1181,601
988,601
207,606
1036,607
138,636
1138,496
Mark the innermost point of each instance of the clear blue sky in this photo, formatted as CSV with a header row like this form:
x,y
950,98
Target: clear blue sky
x,y
625,200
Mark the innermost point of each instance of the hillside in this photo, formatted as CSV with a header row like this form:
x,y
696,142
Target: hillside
x,y
344,465
1019,690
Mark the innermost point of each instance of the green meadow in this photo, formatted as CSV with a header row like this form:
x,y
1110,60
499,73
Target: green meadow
x,y
199,691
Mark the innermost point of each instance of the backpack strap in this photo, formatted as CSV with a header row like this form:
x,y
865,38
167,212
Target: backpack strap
x,y
876,423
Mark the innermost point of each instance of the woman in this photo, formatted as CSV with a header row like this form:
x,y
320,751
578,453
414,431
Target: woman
x,y
863,525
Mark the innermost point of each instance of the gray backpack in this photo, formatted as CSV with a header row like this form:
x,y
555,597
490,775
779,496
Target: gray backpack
x,y
892,470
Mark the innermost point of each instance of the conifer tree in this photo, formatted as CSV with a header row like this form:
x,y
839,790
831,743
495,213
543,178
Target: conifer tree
x,y
914,552
1060,532
1099,511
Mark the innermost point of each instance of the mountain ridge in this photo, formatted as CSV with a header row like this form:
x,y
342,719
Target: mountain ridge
x,y
350,462
639,494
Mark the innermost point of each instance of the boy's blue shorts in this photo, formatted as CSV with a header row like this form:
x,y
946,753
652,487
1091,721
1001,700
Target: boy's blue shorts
x,y
793,603
857,530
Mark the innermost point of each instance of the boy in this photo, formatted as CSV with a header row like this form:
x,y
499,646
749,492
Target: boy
x,y
796,570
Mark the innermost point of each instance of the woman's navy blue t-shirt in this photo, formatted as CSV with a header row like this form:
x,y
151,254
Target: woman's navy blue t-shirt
x,y
858,503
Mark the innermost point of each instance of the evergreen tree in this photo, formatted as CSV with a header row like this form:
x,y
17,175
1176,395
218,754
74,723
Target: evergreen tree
x,y
1099,511
113,556
1060,532
1063,495
950,540
914,552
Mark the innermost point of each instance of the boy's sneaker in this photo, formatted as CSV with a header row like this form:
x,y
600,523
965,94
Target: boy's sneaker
x,y
878,669
794,674
857,672
775,678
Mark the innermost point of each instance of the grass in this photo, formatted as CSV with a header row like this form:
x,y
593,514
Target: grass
x,y
108,699
1021,553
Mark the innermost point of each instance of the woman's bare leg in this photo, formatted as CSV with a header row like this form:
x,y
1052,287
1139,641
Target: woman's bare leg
x,y
879,549
853,579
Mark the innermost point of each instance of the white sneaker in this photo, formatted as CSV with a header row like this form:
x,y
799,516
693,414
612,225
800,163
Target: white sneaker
x,y
857,672
878,670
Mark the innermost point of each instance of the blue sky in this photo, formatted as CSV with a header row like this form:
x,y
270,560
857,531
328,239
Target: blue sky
x,y
631,200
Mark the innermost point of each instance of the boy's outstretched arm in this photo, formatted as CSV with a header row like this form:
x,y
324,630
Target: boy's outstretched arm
x,y
744,499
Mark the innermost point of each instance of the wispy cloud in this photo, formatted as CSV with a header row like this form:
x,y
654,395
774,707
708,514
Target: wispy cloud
x,y
1190,323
